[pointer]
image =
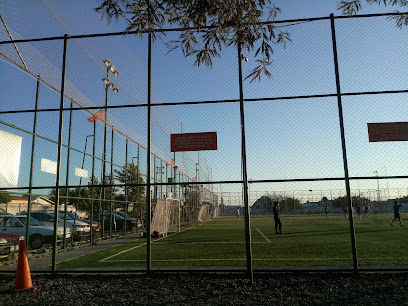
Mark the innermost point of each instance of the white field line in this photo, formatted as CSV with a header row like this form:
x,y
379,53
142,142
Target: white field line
x,y
140,245
266,238
83,255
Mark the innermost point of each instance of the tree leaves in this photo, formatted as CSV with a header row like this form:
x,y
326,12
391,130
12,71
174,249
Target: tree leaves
x,y
207,25
400,20
256,73
349,7
352,7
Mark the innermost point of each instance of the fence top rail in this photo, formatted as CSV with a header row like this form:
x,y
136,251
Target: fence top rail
x,y
181,29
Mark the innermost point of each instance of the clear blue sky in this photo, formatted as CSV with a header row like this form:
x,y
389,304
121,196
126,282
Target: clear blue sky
x,y
286,139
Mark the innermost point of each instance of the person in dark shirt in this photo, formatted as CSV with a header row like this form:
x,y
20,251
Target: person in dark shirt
x,y
396,208
276,216
345,211
326,211
365,210
359,211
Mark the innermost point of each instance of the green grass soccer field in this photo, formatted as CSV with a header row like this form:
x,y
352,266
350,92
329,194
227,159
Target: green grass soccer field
x,y
308,241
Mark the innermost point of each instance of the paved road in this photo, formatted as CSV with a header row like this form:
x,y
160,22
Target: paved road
x,y
42,263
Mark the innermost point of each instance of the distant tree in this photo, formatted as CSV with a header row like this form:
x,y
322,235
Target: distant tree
x,y
5,197
79,197
207,26
324,200
351,7
355,200
135,194
286,203
403,199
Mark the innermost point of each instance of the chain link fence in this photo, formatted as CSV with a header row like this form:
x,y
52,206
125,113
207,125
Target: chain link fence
x,y
86,124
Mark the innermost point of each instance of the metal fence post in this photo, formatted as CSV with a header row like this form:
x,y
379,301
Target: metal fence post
x,y
58,175
111,193
149,156
126,179
67,178
244,171
93,179
30,185
343,145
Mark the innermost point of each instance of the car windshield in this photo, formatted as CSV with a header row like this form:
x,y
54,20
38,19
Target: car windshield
x,y
122,214
70,215
73,216
33,222
62,216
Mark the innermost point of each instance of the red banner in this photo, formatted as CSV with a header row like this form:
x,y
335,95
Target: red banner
x,y
389,131
170,162
193,141
97,116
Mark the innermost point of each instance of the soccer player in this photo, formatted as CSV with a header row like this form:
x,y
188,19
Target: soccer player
x,y
345,211
396,208
359,211
326,210
276,216
238,213
365,210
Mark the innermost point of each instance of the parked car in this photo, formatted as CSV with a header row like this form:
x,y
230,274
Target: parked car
x,y
3,212
40,234
9,244
79,231
118,222
96,227
128,217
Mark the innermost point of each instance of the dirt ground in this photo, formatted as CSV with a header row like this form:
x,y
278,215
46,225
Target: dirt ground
x,y
210,289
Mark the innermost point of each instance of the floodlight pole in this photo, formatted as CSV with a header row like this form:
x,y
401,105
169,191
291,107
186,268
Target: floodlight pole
x,y
244,171
109,84
104,152
343,144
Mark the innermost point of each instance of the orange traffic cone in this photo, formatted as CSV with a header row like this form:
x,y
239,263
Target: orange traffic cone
x,y
23,275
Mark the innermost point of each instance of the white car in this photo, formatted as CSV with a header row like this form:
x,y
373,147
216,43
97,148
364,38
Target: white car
x,y
80,230
40,234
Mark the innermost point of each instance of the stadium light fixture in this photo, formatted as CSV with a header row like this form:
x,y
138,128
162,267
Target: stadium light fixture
x,y
106,80
244,57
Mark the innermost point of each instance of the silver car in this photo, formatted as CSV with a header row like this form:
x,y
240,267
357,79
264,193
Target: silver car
x,y
40,234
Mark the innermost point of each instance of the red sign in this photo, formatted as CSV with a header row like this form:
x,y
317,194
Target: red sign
x,y
193,141
389,131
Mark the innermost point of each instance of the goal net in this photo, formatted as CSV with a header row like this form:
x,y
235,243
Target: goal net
x,y
166,216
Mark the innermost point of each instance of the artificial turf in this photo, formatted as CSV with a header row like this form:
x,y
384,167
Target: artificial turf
x,y
307,241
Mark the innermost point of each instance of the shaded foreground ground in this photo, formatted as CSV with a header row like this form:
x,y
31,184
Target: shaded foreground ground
x,y
211,289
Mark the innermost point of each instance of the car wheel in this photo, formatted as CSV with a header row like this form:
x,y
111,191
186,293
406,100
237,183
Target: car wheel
x,y
36,242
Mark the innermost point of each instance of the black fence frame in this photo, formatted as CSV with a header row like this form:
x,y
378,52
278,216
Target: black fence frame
x,y
242,100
